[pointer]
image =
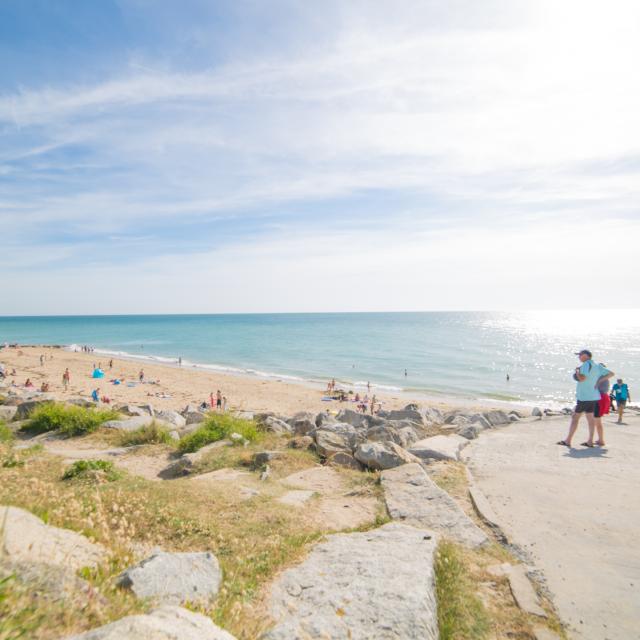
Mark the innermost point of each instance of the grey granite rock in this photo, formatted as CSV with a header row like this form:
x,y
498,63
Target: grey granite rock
x,y
358,586
411,496
439,447
174,578
382,455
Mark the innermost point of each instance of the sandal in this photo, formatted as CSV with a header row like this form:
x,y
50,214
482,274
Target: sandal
x,y
564,443
586,444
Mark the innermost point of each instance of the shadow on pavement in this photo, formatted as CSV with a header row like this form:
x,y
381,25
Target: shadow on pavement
x,y
596,452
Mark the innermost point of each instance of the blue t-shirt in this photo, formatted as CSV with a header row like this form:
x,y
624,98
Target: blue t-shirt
x,y
621,391
94,396
588,389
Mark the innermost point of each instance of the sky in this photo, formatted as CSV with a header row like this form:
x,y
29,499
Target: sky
x,y
209,156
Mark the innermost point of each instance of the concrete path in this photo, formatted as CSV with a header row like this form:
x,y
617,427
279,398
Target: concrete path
x,y
577,513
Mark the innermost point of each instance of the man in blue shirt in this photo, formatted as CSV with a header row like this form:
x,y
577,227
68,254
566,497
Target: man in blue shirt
x,y
589,375
621,392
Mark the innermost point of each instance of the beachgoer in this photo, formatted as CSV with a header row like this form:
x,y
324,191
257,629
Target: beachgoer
x,y
224,404
41,361
218,399
621,392
141,376
44,387
111,363
95,395
373,404
508,378
204,406
28,383
368,386
604,405
405,373
179,362
212,402
66,378
587,376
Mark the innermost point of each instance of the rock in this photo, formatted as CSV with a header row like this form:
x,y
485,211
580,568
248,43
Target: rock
x,y
134,410
7,413
174,578
379,455
344,459
480,421
355,419
544,633
470,431
275,425
171,417
165,623
523,593
186,463
375,584
80,402
24,409
26,538
193,416
337,436
433,415
411,496
439,447
496,418
401,414
129,424
384,433
301,442
302,423
513,418
536,412
266,474
296,498
412,407
262,457
174,435
324,417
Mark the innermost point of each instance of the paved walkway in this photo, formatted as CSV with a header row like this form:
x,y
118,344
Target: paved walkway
x,y
577,513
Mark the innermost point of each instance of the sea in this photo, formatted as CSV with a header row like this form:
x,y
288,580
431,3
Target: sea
x,y
525,358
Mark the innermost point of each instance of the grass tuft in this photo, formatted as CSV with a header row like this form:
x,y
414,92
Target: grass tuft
x,y
149,434
69,420
461,614
92,469
6,435
218,427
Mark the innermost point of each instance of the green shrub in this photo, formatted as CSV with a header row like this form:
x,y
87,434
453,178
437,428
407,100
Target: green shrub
x,y
218,427
70,420
6,435
149,434
90,469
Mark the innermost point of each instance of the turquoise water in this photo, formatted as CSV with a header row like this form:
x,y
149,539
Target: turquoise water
x,y
463,354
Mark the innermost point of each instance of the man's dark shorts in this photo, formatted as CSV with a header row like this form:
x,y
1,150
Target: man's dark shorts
x,y
588,406
622,403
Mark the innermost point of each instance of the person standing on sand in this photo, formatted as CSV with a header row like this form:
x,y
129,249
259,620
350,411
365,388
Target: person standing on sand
x,y
218,400
587,376
373,404
111,363
621,392
224,404
66,378
95,395
604,405
141,376
42,361
211,400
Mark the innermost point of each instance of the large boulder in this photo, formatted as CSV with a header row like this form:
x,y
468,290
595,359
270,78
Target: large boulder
x,y
26,538
134,410
302,423
412,497
433,415
193,414
171,417
165,623
174,578
344,459
469,431
373,584
439,448
355,419
25,408
382,455
128,424
408,414
496,418
275,425
385,433
480,421
333,437
7,412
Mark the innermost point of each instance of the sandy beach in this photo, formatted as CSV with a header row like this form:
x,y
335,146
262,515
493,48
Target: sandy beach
x,y
172,387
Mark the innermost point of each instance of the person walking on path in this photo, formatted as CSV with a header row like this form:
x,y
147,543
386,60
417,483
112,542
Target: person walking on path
x,y
66,378
587,376
604,406
621,392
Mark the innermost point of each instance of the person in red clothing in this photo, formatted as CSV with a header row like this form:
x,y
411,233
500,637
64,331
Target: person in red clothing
x,y
604,406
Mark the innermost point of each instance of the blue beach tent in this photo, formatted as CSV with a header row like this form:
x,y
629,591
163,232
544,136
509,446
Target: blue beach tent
x,y
98,373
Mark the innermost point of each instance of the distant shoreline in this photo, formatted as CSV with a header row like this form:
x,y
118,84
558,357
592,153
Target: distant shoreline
x,y
188,382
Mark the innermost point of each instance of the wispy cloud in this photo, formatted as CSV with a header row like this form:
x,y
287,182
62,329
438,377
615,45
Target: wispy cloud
x,y
428,120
